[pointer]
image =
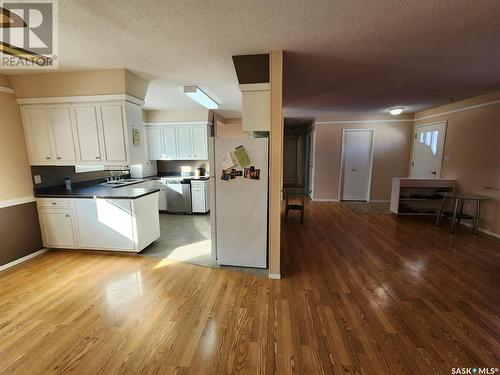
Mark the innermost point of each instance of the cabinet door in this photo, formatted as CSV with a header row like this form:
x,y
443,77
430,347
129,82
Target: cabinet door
x,y
37,127
198,199
62,130
169,143
58,229
200,142
155,142
113,131
184,144
88,133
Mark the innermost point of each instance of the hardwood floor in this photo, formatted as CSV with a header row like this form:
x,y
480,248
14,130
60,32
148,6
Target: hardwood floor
x,y
362,294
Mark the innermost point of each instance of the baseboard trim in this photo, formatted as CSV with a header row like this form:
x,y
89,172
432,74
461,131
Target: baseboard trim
x,y
21,260
275,276
378,201
482,230
324,200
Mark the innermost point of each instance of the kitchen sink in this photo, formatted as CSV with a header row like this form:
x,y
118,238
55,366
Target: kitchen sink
x,y
124,182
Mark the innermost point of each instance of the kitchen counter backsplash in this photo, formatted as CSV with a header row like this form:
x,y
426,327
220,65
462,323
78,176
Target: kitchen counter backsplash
x,y
180,167
54,175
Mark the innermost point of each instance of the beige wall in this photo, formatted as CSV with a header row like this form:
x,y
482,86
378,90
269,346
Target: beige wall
x,y
135,85
472,151
392,142
230,128
96,82
15,176
172,115
4,81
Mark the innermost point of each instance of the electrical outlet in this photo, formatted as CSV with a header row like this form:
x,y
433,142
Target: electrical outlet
x,y
38,179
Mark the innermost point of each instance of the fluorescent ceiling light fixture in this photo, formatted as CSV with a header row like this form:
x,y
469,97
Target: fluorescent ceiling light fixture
x,y
396,111
195,93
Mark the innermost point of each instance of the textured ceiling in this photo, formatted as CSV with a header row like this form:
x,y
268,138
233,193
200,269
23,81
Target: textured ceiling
x,y
342,56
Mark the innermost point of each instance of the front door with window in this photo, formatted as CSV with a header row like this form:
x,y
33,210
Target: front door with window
x,y
428,146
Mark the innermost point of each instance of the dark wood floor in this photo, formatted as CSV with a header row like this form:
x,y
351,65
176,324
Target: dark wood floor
x,y
363,293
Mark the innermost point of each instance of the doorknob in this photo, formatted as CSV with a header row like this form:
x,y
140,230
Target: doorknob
x,y
354,170
433,172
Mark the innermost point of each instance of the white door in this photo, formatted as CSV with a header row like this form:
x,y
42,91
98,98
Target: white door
x,y
113,133
428,146
37,126
200,142
88,133
155,143
357,162
57,229
169,144
183,135
62,130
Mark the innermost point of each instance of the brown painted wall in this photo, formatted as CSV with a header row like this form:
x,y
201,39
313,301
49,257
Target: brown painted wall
x,y
230,128
19,232
392,142
472,151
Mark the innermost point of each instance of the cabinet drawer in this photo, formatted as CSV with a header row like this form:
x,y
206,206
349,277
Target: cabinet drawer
x,y
198,184
47,202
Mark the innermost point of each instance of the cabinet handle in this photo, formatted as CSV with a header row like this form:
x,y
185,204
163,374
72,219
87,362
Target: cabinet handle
x,y
47,157
97,157
58,158
54,203
66,215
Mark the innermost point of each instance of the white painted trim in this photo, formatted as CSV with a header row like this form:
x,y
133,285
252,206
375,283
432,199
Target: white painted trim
x,y
275,276
16,201
324,200
459,110
23,259
379,201
8,90
372,154
359,121
81,99
255,87
313,152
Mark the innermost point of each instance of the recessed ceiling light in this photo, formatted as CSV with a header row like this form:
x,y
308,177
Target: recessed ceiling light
x,y
396,111
196,94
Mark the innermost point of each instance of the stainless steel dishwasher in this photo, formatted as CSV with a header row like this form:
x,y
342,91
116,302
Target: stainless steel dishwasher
x,y
179,196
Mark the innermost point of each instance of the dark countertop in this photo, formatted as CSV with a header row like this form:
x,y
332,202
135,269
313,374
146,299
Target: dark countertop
x,y
94,191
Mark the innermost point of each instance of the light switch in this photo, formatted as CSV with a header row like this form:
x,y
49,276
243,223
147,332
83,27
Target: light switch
x,y
38,179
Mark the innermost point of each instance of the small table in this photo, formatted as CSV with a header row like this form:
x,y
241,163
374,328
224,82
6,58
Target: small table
x,y
298,192
458,208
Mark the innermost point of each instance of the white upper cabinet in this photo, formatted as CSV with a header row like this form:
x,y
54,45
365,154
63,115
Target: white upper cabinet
x,y
169,144
178,142
88,133
62,133
113,133
200,142
62,130
184,143
155,138
37,128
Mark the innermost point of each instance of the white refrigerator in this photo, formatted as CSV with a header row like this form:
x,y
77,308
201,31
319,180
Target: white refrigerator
x,y
241,206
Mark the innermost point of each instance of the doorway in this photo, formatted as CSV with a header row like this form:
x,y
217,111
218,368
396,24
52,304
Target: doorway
x,y
428,147
356,164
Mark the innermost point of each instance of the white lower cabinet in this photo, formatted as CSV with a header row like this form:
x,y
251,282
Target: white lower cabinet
x,y
57,228
99,224
200,197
